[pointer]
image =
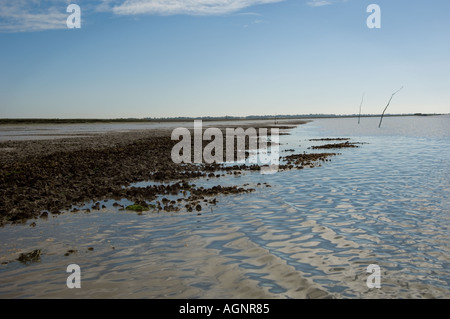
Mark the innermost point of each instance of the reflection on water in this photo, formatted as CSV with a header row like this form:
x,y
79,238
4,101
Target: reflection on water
x,y
312,234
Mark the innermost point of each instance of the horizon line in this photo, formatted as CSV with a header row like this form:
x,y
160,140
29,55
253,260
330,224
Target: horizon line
x,y
224,117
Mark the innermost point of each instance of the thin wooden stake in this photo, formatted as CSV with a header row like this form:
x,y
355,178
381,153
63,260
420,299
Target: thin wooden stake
x,y
359,116
381,119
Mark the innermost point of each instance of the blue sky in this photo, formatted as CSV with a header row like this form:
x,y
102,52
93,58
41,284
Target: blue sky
x,y
167,58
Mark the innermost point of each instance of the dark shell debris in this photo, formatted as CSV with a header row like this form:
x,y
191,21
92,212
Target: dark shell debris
x,y
45,178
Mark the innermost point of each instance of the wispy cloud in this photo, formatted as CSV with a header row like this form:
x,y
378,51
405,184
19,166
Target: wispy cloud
x,y
188,7
40,15
32,15
321,3
318,3
249,14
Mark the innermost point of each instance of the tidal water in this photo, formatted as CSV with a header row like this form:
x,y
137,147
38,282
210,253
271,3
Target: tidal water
x,y
311,234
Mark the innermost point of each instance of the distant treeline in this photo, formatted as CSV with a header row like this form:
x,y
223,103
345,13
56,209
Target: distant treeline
x,y
180,118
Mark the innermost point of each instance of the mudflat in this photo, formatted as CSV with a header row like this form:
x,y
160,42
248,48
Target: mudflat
x,y
42,177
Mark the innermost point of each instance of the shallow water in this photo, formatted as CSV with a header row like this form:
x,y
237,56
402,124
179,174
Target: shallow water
x,y
312,234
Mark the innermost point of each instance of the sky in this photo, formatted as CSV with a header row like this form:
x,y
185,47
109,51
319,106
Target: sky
x,y
171,58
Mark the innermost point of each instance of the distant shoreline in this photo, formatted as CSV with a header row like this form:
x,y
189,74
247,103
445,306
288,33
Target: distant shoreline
x,y
183,119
